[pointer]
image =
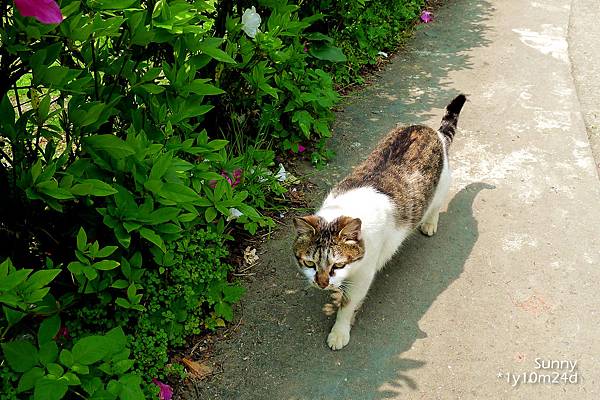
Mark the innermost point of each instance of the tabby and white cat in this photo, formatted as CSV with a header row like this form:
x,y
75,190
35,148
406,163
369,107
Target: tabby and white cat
x,y
367,216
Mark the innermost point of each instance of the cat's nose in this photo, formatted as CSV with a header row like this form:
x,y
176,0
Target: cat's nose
x,y
322,283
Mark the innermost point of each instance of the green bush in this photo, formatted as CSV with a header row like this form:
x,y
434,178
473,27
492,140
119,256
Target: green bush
x,y
136,137
363,28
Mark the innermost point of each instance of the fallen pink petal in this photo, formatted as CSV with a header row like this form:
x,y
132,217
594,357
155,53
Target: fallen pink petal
x,y
45,11
426,16
301,148
166,392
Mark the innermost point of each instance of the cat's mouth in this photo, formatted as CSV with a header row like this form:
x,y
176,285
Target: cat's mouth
x,y
328,286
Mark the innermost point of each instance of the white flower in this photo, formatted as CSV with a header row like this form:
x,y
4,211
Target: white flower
x,y
282,174
234,213
250,22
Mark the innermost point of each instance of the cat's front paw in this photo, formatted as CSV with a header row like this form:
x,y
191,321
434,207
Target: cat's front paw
x,y
338,338
428,228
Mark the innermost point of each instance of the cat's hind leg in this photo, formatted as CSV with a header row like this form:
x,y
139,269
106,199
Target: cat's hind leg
x,y
429,223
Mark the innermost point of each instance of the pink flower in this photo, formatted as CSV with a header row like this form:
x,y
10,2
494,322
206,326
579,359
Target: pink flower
x,y
63,332
237,175
166,392
45,11
426,16
301,148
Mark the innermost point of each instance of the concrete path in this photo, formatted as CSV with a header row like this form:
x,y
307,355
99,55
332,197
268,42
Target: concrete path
x,y
512,277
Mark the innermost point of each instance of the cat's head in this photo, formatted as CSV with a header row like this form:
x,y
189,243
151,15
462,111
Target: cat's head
x,y
326,250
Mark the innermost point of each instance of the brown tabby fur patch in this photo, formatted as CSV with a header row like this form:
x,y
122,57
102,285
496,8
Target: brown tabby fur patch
x,y
406,165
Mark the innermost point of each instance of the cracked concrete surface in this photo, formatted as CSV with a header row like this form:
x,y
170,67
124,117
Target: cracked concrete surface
x,y
512,275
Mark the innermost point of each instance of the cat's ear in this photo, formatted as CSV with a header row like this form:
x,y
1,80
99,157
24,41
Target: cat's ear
x,y
350,229
306,225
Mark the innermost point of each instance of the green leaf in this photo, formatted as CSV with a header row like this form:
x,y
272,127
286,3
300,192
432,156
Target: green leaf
x,y
233,293
20,355
36,169
120,284
12,316
66,358
90,273
117,339
218,144
14,279
72,379
210,214
50,188
48,329
76,267
112,145
121,302
48,353
204,89
327,52
55,369
178,193
29,378
163,214
215,53
7,117
152,88
111,4
88,115
90,349
161,166
94,187
80,369
152,237
168,228
304,120
187,217
224,309
131,387
49,389
106,265
40,279
81,240
120,367
106,251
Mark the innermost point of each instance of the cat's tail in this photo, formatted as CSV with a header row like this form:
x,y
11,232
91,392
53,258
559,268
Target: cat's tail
x,y
448,127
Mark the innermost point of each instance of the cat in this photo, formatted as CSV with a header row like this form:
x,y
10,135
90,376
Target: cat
x,y
366,217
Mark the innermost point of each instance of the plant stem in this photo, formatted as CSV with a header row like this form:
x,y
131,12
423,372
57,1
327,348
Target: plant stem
x,y
95,69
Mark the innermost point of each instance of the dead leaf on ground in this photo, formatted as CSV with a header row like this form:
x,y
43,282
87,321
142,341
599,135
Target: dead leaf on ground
x,y
197,370
250,257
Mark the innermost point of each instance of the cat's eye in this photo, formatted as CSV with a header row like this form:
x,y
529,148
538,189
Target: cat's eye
x,y
338,265
309,264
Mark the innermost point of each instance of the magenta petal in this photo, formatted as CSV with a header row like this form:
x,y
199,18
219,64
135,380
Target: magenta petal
x,y
166,392
301,148
45,11
426,16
